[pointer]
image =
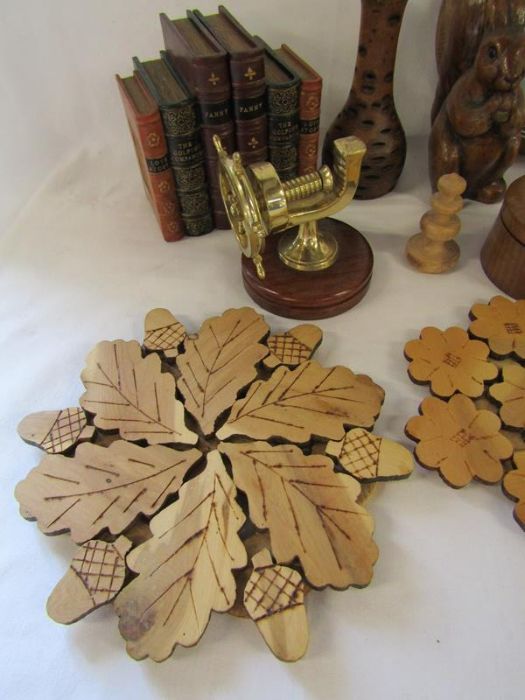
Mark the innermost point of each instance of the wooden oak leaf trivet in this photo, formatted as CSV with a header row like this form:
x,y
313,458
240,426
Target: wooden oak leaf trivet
x,y
368,457
294,346
56,431
511,395
501,323
131,394
102,487
95,576
309,509
460,441
189,518
450,362
220,362
310,400
185,569
163,333
274,599
514,487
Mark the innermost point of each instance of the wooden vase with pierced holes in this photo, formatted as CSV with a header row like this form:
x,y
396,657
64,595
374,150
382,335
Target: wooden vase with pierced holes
x,y
184,424
369,112
434,250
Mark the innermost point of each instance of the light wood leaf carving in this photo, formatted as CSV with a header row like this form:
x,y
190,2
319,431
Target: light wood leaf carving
x,y
309,509
102,487
220,362
131,394
185,569
310,400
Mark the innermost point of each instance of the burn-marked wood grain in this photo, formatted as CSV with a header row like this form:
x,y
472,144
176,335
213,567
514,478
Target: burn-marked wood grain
x,y
131,394
185,569
102,487
510,393
219,362
163,333
95,576
274,599
310,400
56,431
368,457
309,509
294,346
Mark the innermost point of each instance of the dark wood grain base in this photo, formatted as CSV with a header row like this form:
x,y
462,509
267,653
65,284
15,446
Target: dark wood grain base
x,y
313,295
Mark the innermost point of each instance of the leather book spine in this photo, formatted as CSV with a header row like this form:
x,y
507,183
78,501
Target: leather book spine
x,y
151,149
283,128
249,105
182,128
309,116
209,78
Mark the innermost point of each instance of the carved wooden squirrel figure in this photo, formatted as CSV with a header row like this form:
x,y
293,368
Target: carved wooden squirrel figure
x,y
477,132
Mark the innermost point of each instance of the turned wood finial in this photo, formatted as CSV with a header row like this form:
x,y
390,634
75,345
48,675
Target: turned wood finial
x,y
433,250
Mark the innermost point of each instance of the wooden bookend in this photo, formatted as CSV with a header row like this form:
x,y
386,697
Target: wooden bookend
x,y
459,441
514,487
95,576
433,250
450,362
368,457
162,332
294,346
274,599
56,431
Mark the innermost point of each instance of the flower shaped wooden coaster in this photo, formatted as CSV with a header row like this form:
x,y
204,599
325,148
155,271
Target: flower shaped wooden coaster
x,y
501,323
198,448
450,362
459,441
514,487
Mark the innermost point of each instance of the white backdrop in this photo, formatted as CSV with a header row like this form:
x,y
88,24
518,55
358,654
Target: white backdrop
x,y
58,60
82,260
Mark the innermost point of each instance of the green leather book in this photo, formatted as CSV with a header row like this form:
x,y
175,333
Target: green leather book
x,y
181,119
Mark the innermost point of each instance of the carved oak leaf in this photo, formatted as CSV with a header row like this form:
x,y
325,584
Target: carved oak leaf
x,y
219,362
102,487
130,393
309,509
310,400
185,569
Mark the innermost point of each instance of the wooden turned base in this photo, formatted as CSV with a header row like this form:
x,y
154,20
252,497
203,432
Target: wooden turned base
x,y
313,295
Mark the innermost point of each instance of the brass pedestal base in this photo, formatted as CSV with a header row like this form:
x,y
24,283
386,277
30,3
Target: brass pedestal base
x,y
313,295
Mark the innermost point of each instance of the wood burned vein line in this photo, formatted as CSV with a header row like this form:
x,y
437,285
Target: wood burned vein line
x,y
129,401
117,486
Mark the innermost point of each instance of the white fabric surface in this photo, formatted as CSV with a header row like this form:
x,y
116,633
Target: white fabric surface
x,y
84,261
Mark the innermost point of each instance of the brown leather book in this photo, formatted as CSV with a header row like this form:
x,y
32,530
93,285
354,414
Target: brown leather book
x,y
181,119
147,133
309,108
202,61
247,80
282,110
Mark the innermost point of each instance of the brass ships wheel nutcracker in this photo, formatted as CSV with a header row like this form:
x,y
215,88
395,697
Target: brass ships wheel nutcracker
x,y
320,267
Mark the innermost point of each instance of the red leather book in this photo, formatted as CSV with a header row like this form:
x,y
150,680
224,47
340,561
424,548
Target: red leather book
x,y
309,108
202,61
147,133
247,80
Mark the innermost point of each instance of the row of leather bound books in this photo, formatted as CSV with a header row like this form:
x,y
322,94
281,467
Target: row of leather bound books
x,y
215,78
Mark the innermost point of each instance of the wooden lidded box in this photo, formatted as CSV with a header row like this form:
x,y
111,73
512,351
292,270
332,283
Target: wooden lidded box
x,y
503,254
